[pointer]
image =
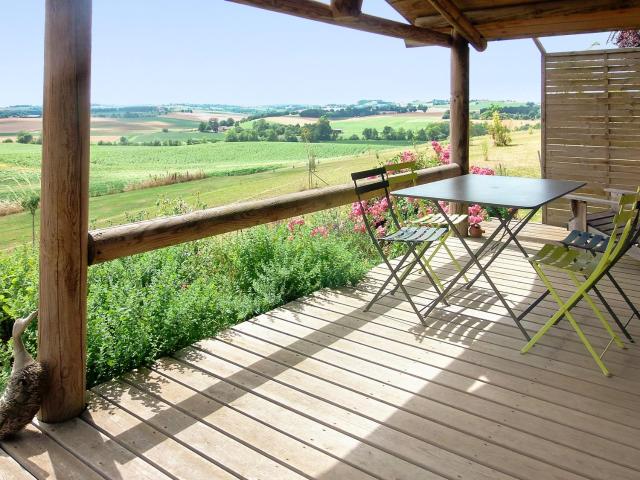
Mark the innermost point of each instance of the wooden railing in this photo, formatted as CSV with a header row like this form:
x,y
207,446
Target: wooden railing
x,y
121,241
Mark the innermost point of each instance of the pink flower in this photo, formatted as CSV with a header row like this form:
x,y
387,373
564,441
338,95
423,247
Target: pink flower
x,y
408,156
444,154
359,227
444,205
357,209
321,230
381,231
299,221
475,220
475,210
482,170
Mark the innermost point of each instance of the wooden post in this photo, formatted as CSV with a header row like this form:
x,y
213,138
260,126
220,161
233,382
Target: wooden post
x,y
459,129
543,116
64,219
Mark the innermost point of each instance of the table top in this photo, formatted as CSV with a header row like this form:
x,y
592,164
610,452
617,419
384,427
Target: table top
x,y
493,190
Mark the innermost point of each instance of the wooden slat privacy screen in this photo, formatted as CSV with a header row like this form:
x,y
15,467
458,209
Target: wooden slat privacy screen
x,y
591,122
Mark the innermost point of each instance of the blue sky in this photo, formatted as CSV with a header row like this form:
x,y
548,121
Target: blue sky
x,y
212,51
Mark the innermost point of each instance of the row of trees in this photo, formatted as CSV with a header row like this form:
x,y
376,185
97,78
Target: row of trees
x,y
359,111
433,131
261,130
213,125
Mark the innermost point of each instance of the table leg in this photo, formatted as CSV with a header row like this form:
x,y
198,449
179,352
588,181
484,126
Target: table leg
x,y
474,260
512,237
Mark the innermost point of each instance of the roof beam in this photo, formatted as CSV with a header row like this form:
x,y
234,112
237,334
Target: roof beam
x,y
460,23
346,8
545,18
313,10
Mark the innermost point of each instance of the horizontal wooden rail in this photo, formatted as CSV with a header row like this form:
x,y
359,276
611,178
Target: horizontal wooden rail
x,y
124,240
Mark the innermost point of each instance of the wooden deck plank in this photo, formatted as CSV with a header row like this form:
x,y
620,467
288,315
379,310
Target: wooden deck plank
x,y
11,470
148,443
271,442
44,458
325,436
320,389
436,366
207,441
441,404
99,452
412,451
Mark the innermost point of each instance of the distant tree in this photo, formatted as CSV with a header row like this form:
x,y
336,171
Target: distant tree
x,y
8,140
24,137
165,130
30,202
499,131
446,115
203,127
354,137
124,141
388,133
422,135
213,125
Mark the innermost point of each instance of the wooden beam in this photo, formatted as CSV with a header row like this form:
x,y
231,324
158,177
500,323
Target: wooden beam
x,y
121,241
546,18
460,103
313,10
459,107
346,8
65,206
460,23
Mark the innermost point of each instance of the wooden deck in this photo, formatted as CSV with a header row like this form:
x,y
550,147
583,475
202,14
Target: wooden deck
x,y
320,389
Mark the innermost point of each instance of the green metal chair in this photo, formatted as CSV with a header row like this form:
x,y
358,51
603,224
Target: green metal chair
x,y
417,239
592,268
406,171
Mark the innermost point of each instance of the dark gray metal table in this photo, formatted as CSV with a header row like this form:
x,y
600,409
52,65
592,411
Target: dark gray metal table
x,y
513,193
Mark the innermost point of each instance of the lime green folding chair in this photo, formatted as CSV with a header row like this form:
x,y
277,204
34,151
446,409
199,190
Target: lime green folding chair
x,y
591,268
406,172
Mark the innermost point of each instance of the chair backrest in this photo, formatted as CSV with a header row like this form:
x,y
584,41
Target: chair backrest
x,y
401,172
368,181
624,223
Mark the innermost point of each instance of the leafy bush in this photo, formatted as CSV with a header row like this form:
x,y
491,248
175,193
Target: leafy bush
x,y
150,305
499,131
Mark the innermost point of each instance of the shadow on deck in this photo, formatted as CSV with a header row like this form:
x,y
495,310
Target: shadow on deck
x,y
320,389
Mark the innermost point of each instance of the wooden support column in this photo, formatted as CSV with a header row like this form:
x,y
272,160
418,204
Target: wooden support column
x,y
459,127
64,219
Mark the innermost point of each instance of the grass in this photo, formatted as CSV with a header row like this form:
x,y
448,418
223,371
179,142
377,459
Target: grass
x,y
115,167
355,126
520,159
181,135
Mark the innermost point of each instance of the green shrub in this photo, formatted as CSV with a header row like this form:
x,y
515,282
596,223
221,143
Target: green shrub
x,y
150,305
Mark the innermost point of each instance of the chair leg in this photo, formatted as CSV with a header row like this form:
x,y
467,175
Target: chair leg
x,y
431,275
454,260
564,311
624,295
613,314
597,311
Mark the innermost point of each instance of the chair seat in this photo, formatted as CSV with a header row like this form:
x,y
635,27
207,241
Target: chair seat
x,y
586,241
561,258
415,235
438,220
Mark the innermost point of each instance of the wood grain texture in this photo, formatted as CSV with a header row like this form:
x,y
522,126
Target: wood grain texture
x,y
346,8
110,243
518,19
65,206
321,12
459,21
591,114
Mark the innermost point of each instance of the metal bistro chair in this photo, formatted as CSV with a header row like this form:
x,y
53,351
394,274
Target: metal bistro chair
x,y
406,171
412,237
592,268
595,244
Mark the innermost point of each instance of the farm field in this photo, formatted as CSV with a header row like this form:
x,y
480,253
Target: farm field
x,y
113,168
520,159
184,125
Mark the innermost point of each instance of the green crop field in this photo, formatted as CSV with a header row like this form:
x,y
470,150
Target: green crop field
x,y
520,159
180,135
408,122
115,167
